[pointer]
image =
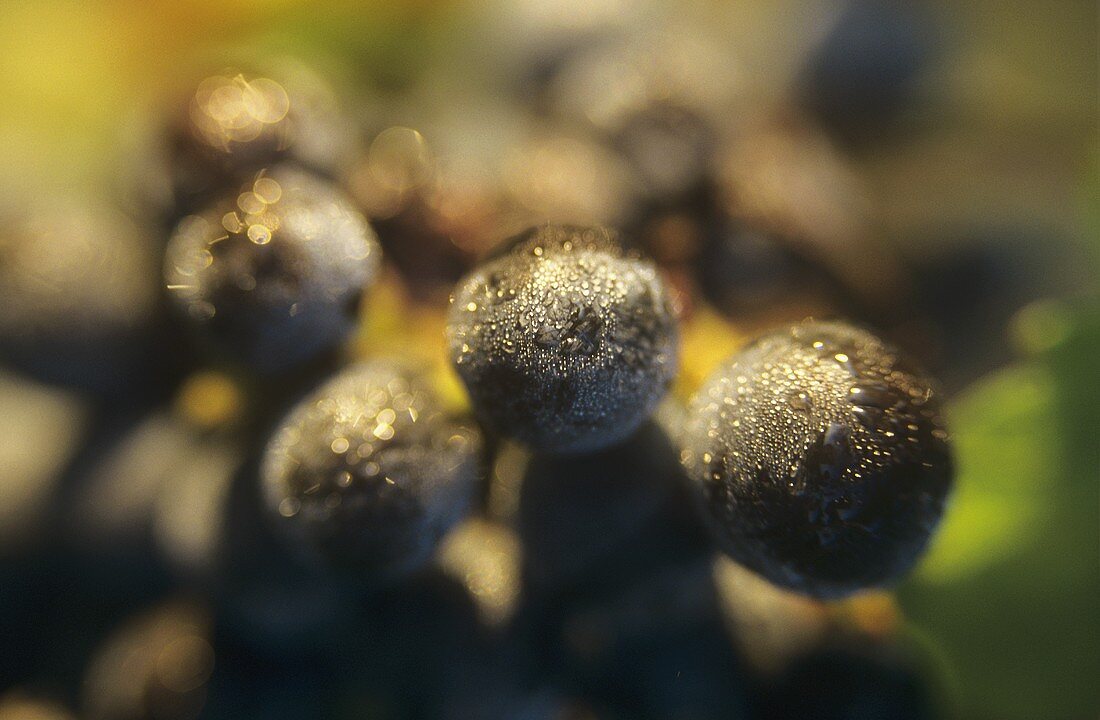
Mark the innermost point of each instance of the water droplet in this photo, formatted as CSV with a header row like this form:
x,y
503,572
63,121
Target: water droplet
x,y
259,234
845,361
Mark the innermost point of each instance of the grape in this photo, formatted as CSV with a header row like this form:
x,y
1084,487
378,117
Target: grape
x,y
78,295
369,472
156,665
235,123
564,342
605,516
865,75
655,648
841,683
268,597
273,275
821,457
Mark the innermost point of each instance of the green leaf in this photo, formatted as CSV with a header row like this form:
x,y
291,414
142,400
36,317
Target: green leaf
x,y
1010,591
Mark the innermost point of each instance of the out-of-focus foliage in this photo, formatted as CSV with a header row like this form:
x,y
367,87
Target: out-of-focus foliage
x,y
1011,590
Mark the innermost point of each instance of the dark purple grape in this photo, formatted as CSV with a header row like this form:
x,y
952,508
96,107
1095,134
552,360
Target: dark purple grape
x,y
655,648
272,275
236,123
842,683
433,222
564,341
821,457
971,279
78,295
606,516
865,75
669,147
279,602
369,473
156,665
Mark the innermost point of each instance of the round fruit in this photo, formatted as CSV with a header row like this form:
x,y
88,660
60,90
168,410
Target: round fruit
x,y
864,78
234,123
157,664
78,294
564,341
369,472
273,275
822,459
584,519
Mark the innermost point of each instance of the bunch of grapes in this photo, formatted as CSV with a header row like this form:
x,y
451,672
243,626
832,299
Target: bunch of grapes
x,y
598,519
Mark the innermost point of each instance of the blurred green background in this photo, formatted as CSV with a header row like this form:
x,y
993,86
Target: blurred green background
x,y
1008,600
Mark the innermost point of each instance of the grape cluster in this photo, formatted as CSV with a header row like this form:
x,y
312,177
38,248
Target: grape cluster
x,y
511,514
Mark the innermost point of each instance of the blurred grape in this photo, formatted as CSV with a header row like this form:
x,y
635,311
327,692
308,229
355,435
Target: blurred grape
x,y
845,684
863,77
155,666
78,297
